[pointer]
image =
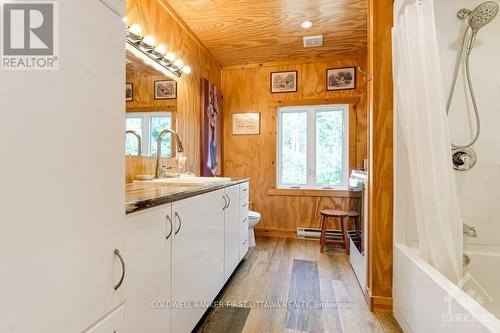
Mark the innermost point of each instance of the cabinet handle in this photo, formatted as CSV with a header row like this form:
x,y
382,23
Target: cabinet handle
x,y
180,223
171,227
245,189
244,205
229,199
118,285
225,202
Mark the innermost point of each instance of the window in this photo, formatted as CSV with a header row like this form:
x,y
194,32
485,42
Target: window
x,y
313,147
148,125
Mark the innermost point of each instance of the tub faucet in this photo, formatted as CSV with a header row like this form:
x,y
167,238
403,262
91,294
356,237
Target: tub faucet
x,y
470,231
139,141
180,149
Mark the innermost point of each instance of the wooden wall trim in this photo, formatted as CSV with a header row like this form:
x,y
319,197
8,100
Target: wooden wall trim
x,y
331,100
378,303
349,57
309,193
380,188
276,232
166,108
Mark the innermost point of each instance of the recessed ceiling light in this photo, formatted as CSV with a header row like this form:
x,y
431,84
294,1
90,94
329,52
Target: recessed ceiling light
x,y
306,24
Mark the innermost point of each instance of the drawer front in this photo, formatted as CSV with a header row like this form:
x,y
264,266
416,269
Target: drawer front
x,y
244,210
243,248
244,191
243,228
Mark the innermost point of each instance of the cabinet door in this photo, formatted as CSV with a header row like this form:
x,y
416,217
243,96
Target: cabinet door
x,y
112,323
149,241
232,231
63,197
197,257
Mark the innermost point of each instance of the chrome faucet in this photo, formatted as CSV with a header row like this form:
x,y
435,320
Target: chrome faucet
x,y
180,149
470,231
139,141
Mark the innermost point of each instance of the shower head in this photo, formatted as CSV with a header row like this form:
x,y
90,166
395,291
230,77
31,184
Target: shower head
x,y
478,18
482,15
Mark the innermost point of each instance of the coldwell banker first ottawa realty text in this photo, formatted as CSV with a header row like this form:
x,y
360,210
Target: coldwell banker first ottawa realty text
x,y
29,35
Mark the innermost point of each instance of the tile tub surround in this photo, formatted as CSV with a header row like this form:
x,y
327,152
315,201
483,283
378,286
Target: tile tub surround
x,y
140,196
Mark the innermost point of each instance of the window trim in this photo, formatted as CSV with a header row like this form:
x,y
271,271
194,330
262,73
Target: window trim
x,y
311,146
146,122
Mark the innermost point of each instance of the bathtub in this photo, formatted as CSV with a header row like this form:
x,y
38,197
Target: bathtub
x,y
425,301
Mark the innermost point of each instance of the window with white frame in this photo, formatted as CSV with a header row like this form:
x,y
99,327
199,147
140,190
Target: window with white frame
x,y
148,125
313,144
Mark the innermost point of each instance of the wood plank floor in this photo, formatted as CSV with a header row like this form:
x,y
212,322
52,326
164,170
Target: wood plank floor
x,y
287,285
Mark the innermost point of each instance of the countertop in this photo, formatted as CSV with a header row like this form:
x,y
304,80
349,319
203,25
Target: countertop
x,y
140,196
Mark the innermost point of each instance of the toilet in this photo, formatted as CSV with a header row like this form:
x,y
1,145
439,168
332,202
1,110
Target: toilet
x,y
253,219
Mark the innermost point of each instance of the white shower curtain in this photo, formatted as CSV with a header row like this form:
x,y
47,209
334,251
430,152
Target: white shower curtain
x,y
420,105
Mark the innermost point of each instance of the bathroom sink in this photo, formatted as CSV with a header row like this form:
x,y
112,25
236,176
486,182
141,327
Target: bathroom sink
x,y
182,180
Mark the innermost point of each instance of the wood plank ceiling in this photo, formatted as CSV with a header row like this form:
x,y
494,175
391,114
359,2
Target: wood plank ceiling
x,y
239,32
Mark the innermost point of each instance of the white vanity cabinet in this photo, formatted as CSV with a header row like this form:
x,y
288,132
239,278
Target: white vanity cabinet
x,y
179,257
62,193
149,260
231,230
197,257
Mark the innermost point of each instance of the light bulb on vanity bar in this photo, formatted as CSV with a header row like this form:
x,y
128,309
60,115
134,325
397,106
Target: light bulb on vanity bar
x,y
186,70
135,29
170,56
149,40
179,63
161,49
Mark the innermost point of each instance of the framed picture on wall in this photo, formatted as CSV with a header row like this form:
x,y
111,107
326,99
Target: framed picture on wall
x,y
284,82
341,78
246,123
129,92
165,89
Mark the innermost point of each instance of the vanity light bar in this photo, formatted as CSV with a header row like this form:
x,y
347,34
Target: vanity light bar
x,y
156,56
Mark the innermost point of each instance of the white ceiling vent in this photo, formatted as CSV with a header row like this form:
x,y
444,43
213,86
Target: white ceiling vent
x,y
313,41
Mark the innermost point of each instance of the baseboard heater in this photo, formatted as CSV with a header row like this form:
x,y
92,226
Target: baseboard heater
x,y
315,233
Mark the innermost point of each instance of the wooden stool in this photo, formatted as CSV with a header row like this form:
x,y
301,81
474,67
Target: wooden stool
x,y
355,216
344,222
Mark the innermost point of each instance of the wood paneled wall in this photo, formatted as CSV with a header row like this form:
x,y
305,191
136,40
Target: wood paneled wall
x,y
143,165
157,18
143,85
379,290
246,89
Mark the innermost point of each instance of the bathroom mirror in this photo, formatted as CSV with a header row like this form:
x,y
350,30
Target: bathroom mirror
x,y
151,105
